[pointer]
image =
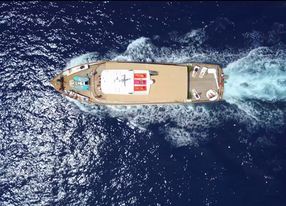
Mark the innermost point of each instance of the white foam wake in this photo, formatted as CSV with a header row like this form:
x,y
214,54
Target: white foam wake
x,y
82,59
259,75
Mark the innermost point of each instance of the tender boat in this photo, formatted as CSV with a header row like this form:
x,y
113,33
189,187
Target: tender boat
x,y
135,83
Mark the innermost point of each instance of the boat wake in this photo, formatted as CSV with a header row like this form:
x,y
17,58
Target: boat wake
x,y
260,75
256,79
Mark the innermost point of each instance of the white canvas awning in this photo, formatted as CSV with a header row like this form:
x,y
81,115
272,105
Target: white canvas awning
x,y
125,82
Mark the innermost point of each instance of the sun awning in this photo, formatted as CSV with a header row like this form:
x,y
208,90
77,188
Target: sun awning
x,y
136,82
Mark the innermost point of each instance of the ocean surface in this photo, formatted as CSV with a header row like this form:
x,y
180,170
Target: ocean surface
x,y
55,151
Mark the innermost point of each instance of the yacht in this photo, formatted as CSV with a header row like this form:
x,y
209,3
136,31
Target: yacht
x,y
136,83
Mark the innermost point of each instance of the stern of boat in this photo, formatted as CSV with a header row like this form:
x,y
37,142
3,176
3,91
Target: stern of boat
x,y
205,83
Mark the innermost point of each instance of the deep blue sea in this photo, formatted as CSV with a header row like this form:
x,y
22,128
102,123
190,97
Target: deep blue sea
x,y
55,151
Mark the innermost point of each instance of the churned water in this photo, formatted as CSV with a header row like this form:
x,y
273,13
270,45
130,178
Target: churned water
x,y
55,151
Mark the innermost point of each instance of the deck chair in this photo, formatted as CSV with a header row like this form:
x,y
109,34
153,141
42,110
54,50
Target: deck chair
x,y
196,94
203,72
195,71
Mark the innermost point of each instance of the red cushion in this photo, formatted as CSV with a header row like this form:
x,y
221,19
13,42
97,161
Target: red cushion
x,y
140,88
139,75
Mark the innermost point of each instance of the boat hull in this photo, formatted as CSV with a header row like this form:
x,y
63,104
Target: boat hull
x,y
135,83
